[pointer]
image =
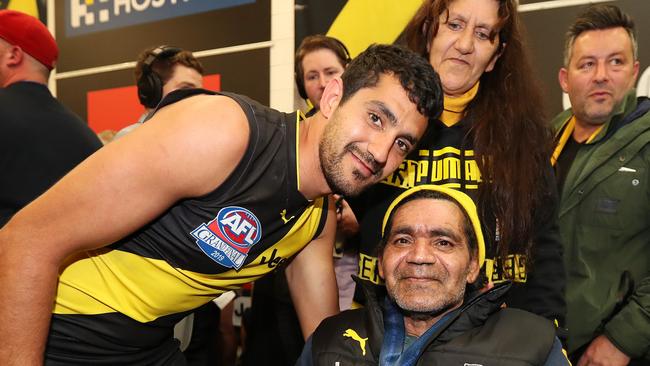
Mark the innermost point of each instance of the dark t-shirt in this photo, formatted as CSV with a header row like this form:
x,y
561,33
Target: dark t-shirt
x,y
565,160
40,141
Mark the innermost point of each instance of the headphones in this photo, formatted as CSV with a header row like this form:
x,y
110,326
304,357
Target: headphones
x,y
300,83
150,85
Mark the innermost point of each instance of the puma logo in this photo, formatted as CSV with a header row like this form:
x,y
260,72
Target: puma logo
x,y
362,341
283,215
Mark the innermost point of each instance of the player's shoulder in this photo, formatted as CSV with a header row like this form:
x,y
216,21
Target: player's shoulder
x,y
205,114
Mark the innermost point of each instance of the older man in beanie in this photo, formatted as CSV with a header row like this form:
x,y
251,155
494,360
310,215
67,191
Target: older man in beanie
x,y
429,312
40,140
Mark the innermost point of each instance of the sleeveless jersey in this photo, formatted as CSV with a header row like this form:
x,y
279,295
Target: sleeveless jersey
x,y
118,304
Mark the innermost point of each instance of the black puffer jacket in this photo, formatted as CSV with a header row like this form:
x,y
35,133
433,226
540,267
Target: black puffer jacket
x,y
481,333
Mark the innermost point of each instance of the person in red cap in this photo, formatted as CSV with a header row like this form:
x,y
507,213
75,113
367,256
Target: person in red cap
x,y
29,51
40,140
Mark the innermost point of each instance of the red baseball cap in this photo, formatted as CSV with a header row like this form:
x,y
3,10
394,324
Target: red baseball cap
x,y
30,34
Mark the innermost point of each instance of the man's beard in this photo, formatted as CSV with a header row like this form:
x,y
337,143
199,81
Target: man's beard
x,y
435,312
331,164
431,310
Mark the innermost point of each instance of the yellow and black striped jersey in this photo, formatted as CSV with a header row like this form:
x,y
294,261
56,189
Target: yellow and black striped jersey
x,y
118,304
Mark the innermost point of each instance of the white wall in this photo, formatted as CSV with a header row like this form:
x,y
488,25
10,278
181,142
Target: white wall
x,y
282,51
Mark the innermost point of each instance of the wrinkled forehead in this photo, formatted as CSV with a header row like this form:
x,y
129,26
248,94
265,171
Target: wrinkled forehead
x,y
590,42
492,14
427,212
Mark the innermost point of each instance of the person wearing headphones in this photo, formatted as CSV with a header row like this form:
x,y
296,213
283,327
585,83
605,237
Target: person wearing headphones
x,y
319,59
159,71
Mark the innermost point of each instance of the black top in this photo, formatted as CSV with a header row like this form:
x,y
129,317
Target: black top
x,y
480,332
40,141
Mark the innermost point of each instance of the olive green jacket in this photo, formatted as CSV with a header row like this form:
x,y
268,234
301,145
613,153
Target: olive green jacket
x,y
605,227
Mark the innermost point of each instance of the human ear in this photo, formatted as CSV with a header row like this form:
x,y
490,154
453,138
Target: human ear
x,y
473,270
14,56
563,76
495,57
636,71
331,96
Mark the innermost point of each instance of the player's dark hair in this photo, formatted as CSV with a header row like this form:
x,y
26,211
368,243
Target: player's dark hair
x,y
414,73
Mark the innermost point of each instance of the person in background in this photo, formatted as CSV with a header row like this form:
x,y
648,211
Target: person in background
x,y
159,71
40,139
432,248
318,59
602,159
491,142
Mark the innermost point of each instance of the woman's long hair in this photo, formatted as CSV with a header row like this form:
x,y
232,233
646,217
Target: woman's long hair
x,y
511,137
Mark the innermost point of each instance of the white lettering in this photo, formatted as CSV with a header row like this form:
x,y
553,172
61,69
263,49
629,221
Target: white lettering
x,y
208,237
79,11
157,3
140,7
250,235
205,235
244,226
104,16
121,3
232,222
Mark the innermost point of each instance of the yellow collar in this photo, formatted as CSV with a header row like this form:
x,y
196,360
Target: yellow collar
x,y
455,107
566,134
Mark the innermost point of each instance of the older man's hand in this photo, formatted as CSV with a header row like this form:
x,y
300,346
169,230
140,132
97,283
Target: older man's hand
x,y
601,352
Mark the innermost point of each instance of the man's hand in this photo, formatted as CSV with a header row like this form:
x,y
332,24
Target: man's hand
x,y
602,352
346,221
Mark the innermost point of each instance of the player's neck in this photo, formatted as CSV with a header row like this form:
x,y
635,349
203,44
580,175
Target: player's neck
x,y
312,183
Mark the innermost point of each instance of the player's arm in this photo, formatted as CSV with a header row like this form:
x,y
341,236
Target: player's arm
x,y
188,149
312,280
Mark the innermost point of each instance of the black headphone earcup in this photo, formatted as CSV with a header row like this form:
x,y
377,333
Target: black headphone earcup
x,y
150,90
301,86
150,85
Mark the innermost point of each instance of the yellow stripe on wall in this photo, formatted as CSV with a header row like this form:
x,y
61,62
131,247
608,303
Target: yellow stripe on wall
x,y
363,22
26,6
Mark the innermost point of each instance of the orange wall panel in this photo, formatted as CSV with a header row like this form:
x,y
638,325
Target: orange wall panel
x,y
116,108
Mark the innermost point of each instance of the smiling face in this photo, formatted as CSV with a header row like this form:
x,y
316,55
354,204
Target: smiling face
x,y
601,71
368,136
320,66
426,261
464,48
